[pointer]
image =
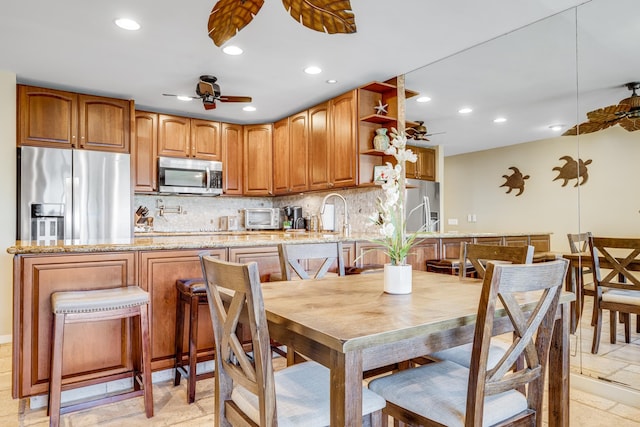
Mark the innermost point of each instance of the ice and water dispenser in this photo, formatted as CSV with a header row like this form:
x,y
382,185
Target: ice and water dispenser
x,y
47,221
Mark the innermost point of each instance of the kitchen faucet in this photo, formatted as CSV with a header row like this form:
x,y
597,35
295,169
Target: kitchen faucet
x,y
346,227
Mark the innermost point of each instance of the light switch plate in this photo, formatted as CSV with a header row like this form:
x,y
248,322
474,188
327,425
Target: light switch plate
x,y
452,221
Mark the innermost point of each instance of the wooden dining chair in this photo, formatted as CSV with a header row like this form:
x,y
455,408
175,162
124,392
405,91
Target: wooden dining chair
x,y
621,285
477,256
310,260
447,394
579,243
247,390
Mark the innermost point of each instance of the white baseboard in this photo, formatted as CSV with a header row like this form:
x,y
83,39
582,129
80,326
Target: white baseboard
x,y
5,339
625,395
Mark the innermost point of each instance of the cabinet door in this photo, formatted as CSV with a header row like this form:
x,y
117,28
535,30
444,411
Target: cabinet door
x,y
427,164
343,140
91,350
105,123
159,271
369,253
281,157
266,256
143,153
232,137
174,136
451,248
422,252
319,147
205,140
257,160
298,152
47,117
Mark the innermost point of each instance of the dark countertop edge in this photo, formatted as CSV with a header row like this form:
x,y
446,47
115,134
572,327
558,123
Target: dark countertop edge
x,y
198,241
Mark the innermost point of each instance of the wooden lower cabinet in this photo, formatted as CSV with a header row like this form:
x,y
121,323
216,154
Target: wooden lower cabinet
x,y
266,256
159,271
91,350
370,253
540,242
516,240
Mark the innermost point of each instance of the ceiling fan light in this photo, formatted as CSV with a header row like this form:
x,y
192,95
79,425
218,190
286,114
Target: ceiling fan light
x,y
556,128
232,50
465,110
127,24
499,120
332,81
423,99
249,108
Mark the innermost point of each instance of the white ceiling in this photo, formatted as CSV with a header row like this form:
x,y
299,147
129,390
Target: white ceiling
x,y
74,45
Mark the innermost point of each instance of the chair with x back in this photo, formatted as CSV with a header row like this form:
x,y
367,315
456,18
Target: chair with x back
x,y
310,260
447,394
620,256
579,244
247,391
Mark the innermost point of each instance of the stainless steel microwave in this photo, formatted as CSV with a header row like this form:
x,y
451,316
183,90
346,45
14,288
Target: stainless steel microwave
x,y
189,176
262,218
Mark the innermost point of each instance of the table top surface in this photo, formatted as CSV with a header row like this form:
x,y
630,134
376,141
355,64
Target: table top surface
x,y
353,312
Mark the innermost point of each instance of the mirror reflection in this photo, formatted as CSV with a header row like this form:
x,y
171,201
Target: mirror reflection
x,y
548,74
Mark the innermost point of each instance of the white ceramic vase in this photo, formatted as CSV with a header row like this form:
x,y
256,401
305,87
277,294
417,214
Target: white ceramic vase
x,y
397,279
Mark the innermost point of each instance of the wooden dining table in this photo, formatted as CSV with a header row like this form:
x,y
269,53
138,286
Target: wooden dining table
x,y
350,325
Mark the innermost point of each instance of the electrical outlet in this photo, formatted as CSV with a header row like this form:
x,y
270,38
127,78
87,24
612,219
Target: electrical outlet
x,y
469,218
452,221
473,218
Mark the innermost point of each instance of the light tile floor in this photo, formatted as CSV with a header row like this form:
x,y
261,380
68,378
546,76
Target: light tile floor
x,y
171,408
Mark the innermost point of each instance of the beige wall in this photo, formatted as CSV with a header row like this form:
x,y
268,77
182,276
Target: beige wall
x,y
608,204
8,191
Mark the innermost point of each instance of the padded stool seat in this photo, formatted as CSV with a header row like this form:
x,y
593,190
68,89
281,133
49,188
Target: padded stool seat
x,y
449,266
93,306
192,293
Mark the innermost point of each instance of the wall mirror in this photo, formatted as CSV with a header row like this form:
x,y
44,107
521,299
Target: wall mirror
x,y
549,73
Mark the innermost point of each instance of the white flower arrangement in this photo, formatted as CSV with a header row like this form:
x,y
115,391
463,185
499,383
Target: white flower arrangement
x,y
390,214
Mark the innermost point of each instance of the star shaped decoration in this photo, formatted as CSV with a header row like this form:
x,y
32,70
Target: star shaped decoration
x,y
381,108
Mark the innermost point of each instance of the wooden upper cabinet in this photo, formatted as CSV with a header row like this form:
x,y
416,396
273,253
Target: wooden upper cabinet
x,y
257,162
144,151
319,147
232,145
104,123
55,118
425,167
174,136
343,140
205,140
290,154
184,137
281,157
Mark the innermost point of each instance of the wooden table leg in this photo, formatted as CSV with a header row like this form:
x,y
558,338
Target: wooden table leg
x,y
346,388
559,371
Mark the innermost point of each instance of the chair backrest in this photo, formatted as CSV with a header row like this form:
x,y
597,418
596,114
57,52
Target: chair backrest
x,y
318,256
233,291
618,253
579,242
533,327
478,255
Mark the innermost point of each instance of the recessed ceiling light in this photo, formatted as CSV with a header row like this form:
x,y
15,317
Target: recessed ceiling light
x,y
465,110
332,81
312,70
232,50
555,128
499,120
423,99
184,98
127,24
249,108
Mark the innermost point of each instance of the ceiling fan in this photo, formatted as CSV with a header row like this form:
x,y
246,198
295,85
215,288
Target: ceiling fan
x,y
209,91
419,132
626,114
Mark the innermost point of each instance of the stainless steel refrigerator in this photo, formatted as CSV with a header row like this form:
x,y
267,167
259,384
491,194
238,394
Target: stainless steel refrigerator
x,y
64,194
423,205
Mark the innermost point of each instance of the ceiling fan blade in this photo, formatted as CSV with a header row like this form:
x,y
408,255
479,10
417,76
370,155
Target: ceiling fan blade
x,y
589,127
606,114
630,124
224,98
170,94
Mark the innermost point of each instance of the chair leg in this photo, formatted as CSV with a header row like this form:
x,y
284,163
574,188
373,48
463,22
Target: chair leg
x,y
145,343
179,338
627,327
638,323
613,318
597,327
193,349
55,377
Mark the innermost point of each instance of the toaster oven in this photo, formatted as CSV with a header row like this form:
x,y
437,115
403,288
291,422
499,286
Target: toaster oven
x,y
262,219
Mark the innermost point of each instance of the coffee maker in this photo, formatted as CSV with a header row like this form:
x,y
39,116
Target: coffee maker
x,y
293,214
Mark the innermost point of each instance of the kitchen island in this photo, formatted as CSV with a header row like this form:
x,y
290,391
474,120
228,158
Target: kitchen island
x,y
155,262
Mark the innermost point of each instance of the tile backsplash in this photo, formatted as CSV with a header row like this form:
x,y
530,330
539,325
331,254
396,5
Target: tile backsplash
x,y
199,213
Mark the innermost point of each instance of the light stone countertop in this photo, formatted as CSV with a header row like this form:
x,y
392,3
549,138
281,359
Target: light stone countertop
x,y
203,240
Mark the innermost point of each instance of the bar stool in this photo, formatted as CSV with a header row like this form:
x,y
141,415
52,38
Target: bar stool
x,y
94,306
449,266
192,293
